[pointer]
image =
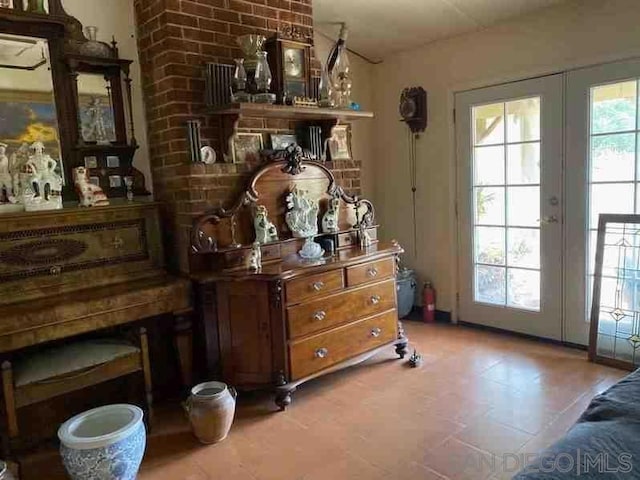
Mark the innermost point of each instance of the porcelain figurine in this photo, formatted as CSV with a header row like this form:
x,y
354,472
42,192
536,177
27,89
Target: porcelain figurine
x,y
44,186
95,129
6,182
302,214
90,195
330,218
255,258
17,167
364,237
265,230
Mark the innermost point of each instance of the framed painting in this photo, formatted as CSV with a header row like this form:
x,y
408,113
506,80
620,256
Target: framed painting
x,y
246,146
27,117
96,118
340,143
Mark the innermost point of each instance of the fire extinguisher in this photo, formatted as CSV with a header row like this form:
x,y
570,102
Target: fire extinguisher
x,y
429,303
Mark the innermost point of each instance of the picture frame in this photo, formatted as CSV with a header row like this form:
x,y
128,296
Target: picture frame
x,y
115,181
246,146
280,141
113,161
91,162
340,143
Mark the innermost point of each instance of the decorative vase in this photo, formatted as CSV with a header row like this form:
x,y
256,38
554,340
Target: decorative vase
x,y
106,443
93,47
311,250
211,408
326,91
240,82
250,46
263,78
36,6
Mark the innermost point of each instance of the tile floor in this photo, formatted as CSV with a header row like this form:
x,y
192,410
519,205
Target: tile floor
x,y
477,394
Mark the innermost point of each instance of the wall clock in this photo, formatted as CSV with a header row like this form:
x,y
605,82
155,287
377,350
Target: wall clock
x,y
413,108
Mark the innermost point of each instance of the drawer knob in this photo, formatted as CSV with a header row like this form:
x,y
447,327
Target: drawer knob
x,y
322,353
375,333
55,270
372,272
320,315
117,243
317,286
375,299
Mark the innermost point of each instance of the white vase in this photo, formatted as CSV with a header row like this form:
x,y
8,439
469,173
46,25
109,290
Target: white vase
x,y
105,443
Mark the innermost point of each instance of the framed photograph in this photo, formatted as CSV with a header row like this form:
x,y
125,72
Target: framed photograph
x,y
282,141
91,162
113,161
340,143
95,181
246,146
115,181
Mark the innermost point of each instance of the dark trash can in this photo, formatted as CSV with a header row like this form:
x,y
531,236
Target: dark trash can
x,y
406,281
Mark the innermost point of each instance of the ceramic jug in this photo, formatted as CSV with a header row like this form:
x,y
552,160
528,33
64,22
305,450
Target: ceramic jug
x,y
211,408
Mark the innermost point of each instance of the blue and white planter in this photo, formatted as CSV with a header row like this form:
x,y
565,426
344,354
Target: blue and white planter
x,y
105,443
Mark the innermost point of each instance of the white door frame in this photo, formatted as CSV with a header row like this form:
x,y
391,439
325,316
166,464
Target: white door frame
x,y
547,322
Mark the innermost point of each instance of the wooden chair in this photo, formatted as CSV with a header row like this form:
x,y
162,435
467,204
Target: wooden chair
x,y
60,370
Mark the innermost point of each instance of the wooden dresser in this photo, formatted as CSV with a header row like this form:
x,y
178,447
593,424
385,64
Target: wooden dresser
x,y
295,319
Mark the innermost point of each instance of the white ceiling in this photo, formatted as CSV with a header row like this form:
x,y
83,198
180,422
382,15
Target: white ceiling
x,y
380,27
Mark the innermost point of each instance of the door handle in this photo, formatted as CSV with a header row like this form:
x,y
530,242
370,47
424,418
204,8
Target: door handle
x,y
550,219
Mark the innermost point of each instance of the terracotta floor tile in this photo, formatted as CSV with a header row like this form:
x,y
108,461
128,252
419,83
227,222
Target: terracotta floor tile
x,y
491,436
477,392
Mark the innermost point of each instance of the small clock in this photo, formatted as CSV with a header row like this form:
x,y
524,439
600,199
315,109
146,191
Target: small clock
x,y
290,63
413,108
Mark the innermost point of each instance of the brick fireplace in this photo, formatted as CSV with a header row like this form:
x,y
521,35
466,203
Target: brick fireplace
x,y
175,39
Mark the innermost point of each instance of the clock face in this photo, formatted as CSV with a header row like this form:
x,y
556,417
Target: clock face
x,y
293,62
408,107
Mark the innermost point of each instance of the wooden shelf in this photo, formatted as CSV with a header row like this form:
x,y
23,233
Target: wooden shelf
x,y
284,111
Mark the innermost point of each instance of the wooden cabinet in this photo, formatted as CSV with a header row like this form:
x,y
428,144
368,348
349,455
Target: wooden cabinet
x,y
293,319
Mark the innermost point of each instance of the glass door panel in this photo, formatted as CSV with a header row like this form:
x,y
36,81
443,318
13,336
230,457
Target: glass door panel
x,y
508,147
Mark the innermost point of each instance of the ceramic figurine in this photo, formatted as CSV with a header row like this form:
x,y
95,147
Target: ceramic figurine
x,y
17,166
364,237
44,186
330,219
255,258
265,230
302,214
6,182
90,195
95,129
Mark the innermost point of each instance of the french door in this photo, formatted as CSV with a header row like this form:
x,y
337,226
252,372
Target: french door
x,y
538,162
602,176
510,148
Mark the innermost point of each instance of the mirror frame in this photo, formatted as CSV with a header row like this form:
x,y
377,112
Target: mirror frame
x,y
65,38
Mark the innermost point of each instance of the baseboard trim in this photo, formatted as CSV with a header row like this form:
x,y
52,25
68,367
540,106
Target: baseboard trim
x,y
441,315
502,331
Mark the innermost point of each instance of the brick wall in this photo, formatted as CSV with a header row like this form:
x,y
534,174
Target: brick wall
x,y
175,39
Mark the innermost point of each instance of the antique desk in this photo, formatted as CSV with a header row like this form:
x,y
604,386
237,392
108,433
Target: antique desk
x,y
295,319
78,270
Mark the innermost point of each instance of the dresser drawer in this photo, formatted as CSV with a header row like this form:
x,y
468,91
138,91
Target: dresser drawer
x,y
370,272
344,307
326,349
314,286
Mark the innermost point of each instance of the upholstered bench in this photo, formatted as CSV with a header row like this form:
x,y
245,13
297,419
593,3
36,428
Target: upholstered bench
x,y
59,370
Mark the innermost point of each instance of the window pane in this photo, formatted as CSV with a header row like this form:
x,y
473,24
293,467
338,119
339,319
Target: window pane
x,y
524,289
523,120
613,157
489,165
488,124
490,206
523,163
524,247
490,285
490,245
613,107
610,198
523,206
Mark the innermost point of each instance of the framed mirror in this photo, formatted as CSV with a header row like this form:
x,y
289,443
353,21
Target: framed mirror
x,y
95,109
